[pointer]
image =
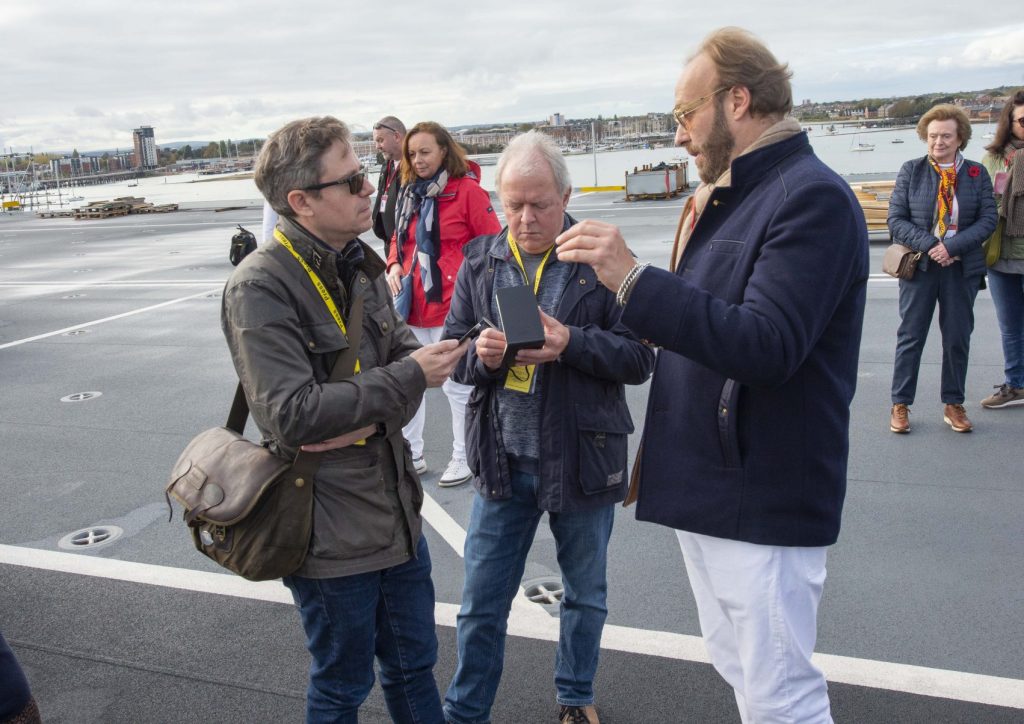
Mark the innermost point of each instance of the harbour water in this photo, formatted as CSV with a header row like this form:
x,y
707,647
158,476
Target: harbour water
x,y
609,169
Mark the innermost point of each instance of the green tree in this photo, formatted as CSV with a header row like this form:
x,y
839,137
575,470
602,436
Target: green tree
x,y
74,153
223,149
212,150
186,151
903,108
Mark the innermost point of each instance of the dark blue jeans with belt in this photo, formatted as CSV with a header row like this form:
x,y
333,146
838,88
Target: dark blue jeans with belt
x,y
954,293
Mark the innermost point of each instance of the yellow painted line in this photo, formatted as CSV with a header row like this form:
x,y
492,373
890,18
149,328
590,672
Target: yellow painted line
x,y
598,189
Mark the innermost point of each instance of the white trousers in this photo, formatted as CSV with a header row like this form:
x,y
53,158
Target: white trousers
x,y
458,396
758,609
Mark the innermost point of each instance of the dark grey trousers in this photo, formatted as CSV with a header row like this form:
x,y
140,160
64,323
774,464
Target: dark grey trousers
x,y
955,296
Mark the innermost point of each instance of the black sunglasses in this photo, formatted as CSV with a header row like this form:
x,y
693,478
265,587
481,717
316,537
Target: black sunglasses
x,y
355,182
378,126
1020,121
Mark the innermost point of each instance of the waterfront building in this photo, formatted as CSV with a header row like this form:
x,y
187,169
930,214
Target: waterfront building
x,y
144,141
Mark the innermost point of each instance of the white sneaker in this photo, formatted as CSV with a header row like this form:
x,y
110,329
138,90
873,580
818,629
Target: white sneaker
x,y
420,464
456,473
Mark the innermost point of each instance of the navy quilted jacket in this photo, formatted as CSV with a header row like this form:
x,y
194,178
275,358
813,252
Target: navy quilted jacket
x,y
912,212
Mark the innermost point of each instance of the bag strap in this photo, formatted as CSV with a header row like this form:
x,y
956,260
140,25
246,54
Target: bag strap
x,y
344,367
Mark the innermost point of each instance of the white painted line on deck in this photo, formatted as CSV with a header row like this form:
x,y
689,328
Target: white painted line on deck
x,y
21,230
918,680
93,323
124,283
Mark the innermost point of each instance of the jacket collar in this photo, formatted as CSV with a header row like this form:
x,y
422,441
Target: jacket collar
x,y
751,167
322,258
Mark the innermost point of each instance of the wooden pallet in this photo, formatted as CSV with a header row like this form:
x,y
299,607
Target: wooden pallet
x,y
55,214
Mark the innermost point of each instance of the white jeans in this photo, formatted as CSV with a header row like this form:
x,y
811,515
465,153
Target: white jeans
x,y
758,608
458,396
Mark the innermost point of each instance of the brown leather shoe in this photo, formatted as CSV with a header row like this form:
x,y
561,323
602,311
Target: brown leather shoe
x,y
956,417
578,714
899,418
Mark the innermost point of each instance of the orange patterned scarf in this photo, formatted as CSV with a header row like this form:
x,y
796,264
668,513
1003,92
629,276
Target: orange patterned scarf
x,y
947,190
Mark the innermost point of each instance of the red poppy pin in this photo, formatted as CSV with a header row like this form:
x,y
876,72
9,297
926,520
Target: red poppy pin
x,y
973,171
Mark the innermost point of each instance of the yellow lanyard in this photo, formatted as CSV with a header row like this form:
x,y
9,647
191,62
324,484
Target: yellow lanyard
x,y
519,260
324,294
520,378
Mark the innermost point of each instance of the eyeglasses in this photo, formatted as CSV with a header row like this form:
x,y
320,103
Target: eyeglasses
x,y
681,112
354,182
378,126
1019,121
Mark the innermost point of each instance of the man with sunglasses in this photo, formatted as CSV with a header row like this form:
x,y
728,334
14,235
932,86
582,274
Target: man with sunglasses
x,y
388,134
759,321
289,309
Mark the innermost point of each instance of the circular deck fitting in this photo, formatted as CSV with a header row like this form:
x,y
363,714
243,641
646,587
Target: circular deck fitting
x,y
94,537
214,295
545,592
80,396
75,333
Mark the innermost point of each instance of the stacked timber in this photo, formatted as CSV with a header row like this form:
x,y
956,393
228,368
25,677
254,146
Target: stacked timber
x,y
874,201
102,210
121,206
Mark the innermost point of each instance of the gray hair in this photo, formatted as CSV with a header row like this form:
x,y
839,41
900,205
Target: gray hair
x,y
290,158
525,151
390,123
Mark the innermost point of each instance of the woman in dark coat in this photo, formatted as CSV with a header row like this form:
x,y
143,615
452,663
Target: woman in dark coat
x,y
1005,252
941,206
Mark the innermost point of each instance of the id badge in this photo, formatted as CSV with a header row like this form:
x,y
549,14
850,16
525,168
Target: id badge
x,y
521,378
999,184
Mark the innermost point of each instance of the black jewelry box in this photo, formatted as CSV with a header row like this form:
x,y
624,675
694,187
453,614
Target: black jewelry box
x,y
520,321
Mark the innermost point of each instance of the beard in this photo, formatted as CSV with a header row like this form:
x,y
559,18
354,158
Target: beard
x,y
716,151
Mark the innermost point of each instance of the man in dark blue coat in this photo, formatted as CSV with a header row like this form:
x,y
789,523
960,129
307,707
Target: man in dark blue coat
x,y
746,439
545,432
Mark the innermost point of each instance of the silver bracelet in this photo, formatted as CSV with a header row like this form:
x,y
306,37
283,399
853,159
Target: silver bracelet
x,y
622,296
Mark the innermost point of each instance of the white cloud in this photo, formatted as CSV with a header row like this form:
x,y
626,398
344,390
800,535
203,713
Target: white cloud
x,y
1002,48
198,70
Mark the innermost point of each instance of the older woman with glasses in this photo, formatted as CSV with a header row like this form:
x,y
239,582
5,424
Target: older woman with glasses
x,y
441,207
941,206
1005,252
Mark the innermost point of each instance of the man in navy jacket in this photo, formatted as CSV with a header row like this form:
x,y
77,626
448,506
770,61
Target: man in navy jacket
x,y
548,433
747,432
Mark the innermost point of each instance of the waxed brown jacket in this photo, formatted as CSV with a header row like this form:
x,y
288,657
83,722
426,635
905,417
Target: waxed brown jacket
x,y
283,342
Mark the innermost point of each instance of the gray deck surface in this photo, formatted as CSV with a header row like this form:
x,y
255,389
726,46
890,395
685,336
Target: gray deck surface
x,y
927,571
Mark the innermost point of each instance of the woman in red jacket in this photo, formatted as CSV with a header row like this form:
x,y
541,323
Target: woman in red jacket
x,y
441,208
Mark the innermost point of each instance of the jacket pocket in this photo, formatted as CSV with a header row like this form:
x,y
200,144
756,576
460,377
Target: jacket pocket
x,y
381,328
727,414
353,514
477,428
323,341
603,439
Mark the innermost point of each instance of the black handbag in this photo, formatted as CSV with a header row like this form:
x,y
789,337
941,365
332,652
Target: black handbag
x,y
247,509
243,243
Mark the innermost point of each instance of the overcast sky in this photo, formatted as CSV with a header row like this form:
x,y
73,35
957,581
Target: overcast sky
x,y
83,73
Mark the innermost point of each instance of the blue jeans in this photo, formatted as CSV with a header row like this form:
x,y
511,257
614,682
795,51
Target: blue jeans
x,y
1008,298
387,613
497,543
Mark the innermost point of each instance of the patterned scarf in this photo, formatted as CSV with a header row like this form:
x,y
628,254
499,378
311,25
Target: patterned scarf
x,y
947,192
419,197
1011,206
